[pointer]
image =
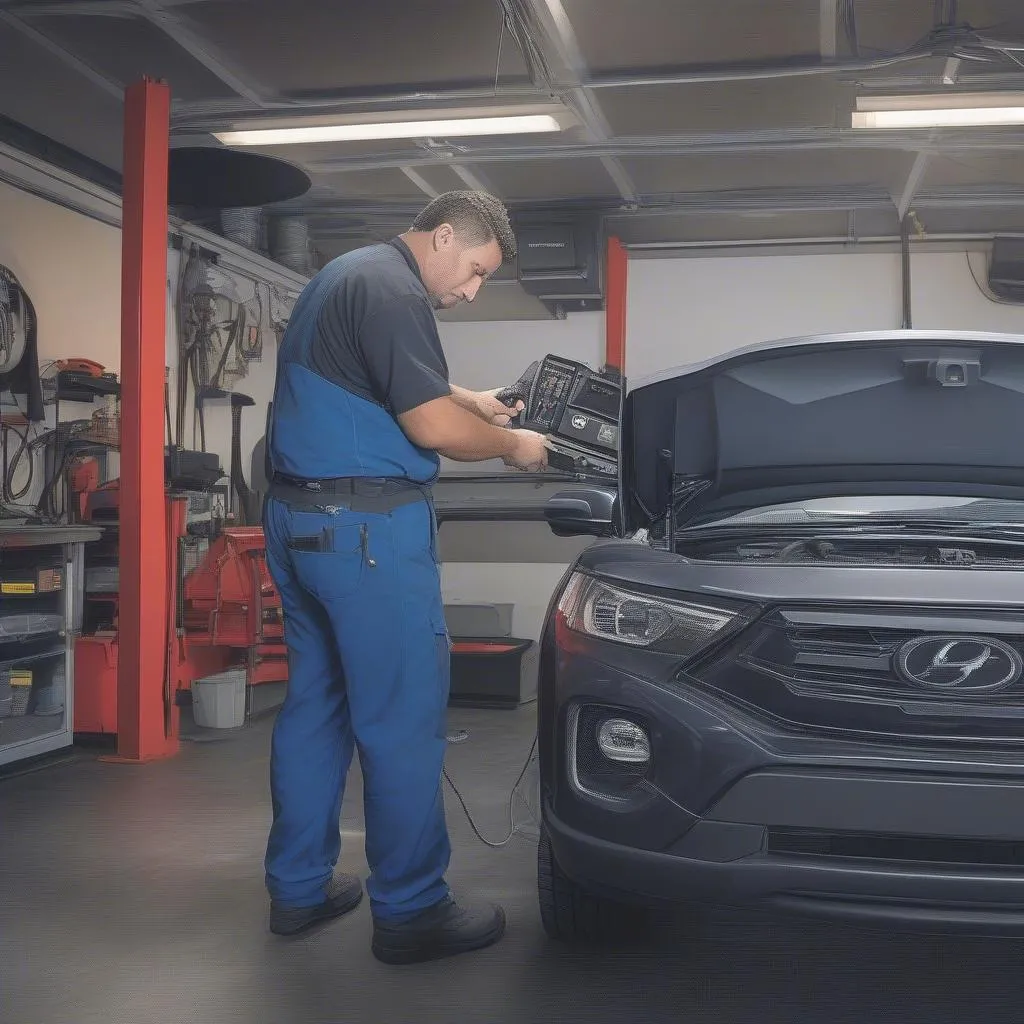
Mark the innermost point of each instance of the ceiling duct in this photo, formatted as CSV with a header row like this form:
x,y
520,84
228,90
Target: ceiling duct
x,y
290,244
560,259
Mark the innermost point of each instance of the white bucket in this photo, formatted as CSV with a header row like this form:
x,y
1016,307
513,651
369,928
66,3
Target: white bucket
x,y
218,702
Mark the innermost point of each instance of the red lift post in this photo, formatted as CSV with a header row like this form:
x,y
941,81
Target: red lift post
x,y
147,718
616,264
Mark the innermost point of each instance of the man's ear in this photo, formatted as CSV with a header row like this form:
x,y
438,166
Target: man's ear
x,y
444,235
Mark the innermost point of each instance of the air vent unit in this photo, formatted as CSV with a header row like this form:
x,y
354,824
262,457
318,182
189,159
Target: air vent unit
x,y
560,259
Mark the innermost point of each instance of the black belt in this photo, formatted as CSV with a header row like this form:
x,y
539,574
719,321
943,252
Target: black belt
x,y
358,493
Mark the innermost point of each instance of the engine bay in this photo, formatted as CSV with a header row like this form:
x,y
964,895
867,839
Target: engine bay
x,y
903,549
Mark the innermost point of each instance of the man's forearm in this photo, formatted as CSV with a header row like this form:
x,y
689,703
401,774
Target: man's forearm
x,y
468,400
449,429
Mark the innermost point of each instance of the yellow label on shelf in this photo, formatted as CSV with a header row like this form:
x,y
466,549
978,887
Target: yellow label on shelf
x,y
17,588
20,678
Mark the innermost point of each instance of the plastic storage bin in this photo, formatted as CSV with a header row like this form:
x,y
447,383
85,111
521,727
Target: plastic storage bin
x,y
23,625
218,702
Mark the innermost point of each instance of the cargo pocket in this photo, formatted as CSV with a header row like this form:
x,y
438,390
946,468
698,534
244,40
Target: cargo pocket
x,y
330,563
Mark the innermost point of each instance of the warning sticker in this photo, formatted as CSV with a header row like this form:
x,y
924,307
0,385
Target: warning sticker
x,y
17,588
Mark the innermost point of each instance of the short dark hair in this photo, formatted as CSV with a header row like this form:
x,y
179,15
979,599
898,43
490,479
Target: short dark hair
x,y
477,217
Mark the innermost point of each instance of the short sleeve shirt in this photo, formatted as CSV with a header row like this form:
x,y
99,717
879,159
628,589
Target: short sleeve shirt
x,y
376,335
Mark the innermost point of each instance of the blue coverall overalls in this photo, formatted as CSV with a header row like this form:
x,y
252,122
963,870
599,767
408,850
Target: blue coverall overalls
x,y
368,650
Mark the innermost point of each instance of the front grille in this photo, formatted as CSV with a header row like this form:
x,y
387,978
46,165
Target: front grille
x,y
593,773
848,671
986,853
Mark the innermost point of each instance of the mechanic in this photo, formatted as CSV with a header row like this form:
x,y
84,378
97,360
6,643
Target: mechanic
x,y
362,410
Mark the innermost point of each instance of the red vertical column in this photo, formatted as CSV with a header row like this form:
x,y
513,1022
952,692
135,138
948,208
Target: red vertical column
x,y
616,264
146,720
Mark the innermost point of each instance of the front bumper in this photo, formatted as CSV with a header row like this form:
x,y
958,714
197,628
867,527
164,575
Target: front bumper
x,y
737,815
715,865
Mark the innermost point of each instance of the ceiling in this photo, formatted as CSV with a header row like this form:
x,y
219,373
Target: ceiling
x,y
709,121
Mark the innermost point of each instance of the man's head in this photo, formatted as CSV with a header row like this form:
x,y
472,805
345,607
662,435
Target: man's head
x,y
459,241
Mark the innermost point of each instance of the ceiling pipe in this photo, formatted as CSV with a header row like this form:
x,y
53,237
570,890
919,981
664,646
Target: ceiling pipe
x,y
697,203
820,241
1010,138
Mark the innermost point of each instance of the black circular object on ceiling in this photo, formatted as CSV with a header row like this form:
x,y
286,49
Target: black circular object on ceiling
x,y
206,176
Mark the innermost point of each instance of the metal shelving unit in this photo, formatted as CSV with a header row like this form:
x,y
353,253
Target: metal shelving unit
x,y
41,606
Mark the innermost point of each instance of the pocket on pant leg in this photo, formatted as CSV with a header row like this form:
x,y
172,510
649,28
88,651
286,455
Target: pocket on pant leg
x,y
331,561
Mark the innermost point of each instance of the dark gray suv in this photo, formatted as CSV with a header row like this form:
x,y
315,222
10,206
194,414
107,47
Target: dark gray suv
x,y
791,673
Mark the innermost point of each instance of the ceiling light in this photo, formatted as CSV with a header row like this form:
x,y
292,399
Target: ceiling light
x,y
449,128
951,110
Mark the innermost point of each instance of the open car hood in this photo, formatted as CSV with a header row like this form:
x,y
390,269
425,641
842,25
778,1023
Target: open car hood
x,y
891,412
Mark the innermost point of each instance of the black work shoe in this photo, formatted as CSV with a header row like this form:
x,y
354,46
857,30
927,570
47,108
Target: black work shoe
x,y
445,929
344,893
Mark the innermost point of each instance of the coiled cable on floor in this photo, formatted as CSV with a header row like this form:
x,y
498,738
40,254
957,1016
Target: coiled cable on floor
x,y
513,828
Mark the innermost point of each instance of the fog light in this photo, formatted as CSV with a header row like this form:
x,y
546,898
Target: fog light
x,y
622,740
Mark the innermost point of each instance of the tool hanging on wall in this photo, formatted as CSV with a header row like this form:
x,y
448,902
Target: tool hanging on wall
x,y
19,355
241,502
221,323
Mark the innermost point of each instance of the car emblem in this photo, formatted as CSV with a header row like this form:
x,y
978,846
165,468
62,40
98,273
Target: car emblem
x,y
579,422
967,664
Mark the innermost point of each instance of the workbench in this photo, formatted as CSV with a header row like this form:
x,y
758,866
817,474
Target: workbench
x,y
41,606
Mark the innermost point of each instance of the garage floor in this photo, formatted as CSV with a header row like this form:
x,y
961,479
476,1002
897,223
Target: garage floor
x,y
135,894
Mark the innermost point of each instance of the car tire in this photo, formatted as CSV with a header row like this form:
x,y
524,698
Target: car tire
x,y
571,914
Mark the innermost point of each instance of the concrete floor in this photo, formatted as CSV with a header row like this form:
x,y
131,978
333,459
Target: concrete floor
x,y
131,895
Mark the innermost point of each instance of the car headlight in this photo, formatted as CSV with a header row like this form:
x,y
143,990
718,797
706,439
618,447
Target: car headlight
x,y
598,609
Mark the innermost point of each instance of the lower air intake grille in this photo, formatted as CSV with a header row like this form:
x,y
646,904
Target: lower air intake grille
x,y
899,849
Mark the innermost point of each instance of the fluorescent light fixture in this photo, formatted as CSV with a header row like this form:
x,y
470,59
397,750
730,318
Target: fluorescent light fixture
x,y
951,110
939,118
450,128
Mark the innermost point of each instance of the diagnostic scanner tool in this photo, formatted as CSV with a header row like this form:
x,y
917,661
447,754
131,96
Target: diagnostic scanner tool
x,y
577,408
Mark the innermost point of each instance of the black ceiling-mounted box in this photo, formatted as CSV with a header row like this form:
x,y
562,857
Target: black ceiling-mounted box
x,y
1006,269
560,259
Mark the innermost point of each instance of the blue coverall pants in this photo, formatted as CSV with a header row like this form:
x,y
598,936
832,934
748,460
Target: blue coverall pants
x,y
368,662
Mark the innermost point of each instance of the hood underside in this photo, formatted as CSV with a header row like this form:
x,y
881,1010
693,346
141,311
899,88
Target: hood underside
x,y
883,413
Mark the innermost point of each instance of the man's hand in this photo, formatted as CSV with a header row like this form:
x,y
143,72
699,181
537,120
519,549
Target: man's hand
x,y
530,453
486,405
494,410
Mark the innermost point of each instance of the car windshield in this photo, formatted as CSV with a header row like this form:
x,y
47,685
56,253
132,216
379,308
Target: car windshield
x,y
882,509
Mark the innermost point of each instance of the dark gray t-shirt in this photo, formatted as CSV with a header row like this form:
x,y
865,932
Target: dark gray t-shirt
x,y
376,336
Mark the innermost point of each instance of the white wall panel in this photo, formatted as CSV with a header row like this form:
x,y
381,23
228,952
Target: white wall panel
x,y
683,310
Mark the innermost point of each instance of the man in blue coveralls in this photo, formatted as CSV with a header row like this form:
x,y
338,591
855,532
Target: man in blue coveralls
x,y
362,409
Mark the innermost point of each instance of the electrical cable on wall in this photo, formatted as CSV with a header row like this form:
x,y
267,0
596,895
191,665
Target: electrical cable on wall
x,y
985,291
